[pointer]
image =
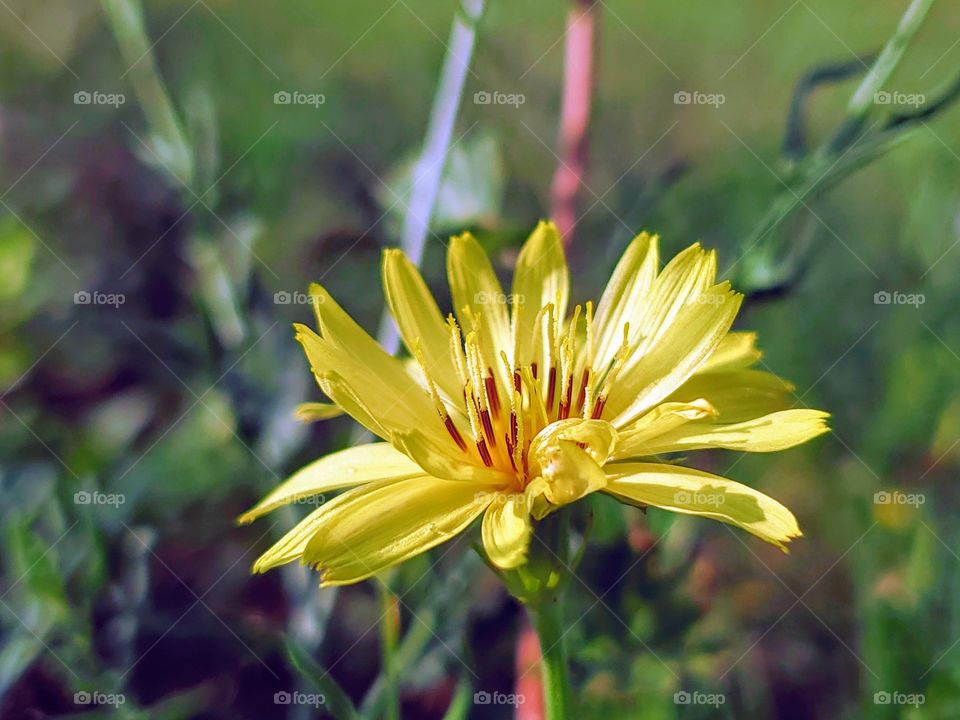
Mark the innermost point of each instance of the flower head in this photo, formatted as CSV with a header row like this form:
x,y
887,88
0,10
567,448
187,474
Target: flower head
x,y
515,407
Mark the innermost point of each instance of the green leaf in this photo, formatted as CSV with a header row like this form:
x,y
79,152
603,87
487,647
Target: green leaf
x,y
336,700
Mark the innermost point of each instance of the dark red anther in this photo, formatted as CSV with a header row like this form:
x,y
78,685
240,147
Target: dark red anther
x,y
598,408
551,391
484,453
582,395
454,433
491,385
563,412
533,369
488,428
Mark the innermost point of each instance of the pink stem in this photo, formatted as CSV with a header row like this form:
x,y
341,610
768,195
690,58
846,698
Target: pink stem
x,y
578,82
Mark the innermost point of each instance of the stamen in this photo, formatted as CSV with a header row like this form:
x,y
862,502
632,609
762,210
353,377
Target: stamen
x,y
454,433
519,449
551,389
536,397
484,453
598,408
582,395
456,350
488,427
492,395
591,349
431,386
472,414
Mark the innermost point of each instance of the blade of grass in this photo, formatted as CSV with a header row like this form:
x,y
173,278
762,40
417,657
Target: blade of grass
x,y
436,147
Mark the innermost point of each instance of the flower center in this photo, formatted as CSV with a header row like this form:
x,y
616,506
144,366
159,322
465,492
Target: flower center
x,y
502,410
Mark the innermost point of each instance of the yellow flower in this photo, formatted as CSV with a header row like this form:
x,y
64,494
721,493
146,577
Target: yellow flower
x,y
514,409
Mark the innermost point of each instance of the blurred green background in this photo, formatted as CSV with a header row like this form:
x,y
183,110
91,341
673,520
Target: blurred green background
x,y
140,419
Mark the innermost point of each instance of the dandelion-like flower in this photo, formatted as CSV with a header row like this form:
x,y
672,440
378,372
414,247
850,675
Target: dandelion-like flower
x,y
514,408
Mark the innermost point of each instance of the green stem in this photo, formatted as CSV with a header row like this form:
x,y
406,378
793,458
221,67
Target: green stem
x,y
170,142
863,98
389,633
547,619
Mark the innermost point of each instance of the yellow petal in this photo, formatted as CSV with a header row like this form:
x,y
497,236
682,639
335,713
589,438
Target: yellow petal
x,y
738,350
447,461
770,433
506,530
478,298
419,320
682,348
569,471
540,277
737,395
683,281
368,529
353,466
314,411
337,390
290,546
597,437
693,492
380,382
625,296
633,440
